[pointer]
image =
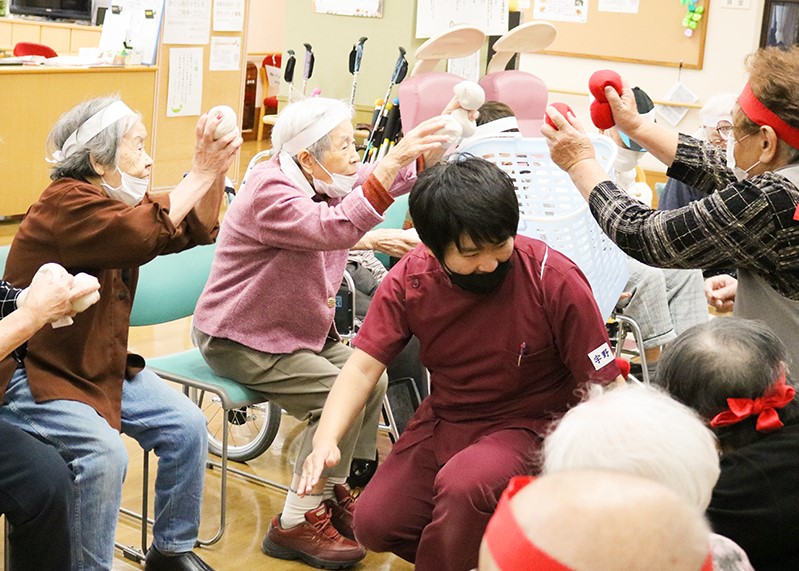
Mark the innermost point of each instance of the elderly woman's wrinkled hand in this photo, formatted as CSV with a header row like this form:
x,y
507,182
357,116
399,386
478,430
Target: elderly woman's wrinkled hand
x,y
214,157
568,144
624,108
422,140
48,297
393,241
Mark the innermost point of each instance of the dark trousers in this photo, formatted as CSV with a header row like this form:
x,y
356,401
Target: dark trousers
x,y
433,515
35,496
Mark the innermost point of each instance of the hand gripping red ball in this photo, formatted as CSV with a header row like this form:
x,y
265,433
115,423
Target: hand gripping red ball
x,y
601,114
563,109
600,80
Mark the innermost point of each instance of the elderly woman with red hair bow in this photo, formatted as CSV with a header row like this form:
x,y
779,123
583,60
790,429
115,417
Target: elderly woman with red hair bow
x,y
733,372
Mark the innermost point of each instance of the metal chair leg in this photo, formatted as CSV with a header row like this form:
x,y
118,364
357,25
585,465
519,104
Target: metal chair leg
x,y
626,323
390,424
129,552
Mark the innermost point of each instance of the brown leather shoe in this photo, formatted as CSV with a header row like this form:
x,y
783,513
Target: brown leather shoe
x,y
315,542
341,509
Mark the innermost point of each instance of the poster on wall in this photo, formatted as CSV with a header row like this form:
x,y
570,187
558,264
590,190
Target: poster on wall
x,y
225,54
185,86
228,15
436,16
365,8
618,6
561,10
187,22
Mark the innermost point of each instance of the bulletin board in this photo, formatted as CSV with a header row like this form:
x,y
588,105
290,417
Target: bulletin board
x,y
654,35
173,145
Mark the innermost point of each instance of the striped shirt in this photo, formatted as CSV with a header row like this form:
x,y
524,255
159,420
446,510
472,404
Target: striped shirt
x,y
746,225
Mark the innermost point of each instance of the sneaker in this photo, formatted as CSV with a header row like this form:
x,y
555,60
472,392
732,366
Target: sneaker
x,y
341,510
315,542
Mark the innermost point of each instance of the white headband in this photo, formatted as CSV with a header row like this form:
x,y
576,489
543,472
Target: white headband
x,y
326,123
91,127
496,126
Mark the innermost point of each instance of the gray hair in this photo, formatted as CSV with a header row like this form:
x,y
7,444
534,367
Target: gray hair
x,y
638,430
102,147
301,115
726,358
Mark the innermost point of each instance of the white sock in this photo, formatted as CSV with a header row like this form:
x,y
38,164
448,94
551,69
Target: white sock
x,y
295,507
327,493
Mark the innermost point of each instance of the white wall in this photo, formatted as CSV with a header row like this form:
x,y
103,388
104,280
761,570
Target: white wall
x,y
265,25
731,35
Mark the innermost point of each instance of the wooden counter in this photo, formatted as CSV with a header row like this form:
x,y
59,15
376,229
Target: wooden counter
x,y
34,97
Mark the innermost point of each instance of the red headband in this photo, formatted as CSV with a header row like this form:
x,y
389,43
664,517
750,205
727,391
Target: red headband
x,y
777,396
510,547
762,115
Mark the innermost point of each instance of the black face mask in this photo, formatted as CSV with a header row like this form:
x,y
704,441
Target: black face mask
x,y
481,283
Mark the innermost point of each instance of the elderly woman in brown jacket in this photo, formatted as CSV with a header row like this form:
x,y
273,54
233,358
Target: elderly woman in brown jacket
x,y
77,387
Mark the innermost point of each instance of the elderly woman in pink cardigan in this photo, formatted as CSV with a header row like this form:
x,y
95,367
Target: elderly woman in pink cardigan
x,y
265,318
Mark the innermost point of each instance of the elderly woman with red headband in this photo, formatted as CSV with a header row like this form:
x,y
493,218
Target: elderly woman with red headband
x,y
749,219
733,373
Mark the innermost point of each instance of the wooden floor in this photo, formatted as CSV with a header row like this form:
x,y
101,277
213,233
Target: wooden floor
x,y
250,506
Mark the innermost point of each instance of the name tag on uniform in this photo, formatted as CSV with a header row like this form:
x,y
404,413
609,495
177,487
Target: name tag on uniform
x,y
601,356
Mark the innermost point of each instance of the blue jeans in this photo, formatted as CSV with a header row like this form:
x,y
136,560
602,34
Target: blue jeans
x,y
159,419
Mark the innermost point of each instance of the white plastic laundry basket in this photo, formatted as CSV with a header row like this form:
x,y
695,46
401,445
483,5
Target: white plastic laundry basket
x,y
554,211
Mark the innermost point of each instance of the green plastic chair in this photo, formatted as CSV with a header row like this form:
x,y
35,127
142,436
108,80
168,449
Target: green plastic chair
x,y
168,289
394,218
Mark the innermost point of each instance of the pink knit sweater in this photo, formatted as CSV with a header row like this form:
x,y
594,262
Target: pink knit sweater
x,y
280,259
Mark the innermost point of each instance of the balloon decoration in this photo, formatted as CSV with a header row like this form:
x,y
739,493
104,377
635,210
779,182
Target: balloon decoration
x,y
693,15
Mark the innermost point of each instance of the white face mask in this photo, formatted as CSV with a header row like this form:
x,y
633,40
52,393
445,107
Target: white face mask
x,y
740,174
627,159
130,191
341,186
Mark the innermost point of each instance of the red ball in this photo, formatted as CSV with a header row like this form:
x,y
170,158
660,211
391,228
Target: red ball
x,y
624,367
563,109
601,79
601,114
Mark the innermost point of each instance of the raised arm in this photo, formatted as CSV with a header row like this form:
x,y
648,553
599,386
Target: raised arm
x,y
203,187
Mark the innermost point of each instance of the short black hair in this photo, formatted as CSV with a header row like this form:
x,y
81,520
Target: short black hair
x,y
464,196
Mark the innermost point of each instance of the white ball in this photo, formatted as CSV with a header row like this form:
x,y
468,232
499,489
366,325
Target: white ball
x,y
462,117
81,281
453,130
470,95
229,121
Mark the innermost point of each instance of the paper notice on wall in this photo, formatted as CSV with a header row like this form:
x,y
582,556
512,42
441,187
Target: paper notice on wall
x,y
367,8
436,16
185,87
678,93
618,6
228,15
466,67
561,10
187,22
225,54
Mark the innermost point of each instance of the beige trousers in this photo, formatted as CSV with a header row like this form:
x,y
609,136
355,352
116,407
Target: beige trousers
x,y
299,383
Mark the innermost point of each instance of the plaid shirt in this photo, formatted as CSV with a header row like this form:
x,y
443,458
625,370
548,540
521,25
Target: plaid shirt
x,y
746,225
8,298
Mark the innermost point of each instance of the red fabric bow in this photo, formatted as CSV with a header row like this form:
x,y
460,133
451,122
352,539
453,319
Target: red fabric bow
x,y
779,395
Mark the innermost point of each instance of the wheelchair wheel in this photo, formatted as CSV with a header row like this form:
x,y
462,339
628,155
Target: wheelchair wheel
x,y
361,471
251,429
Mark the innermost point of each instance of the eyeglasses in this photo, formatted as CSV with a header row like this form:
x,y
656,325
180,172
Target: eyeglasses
x,y
724,131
